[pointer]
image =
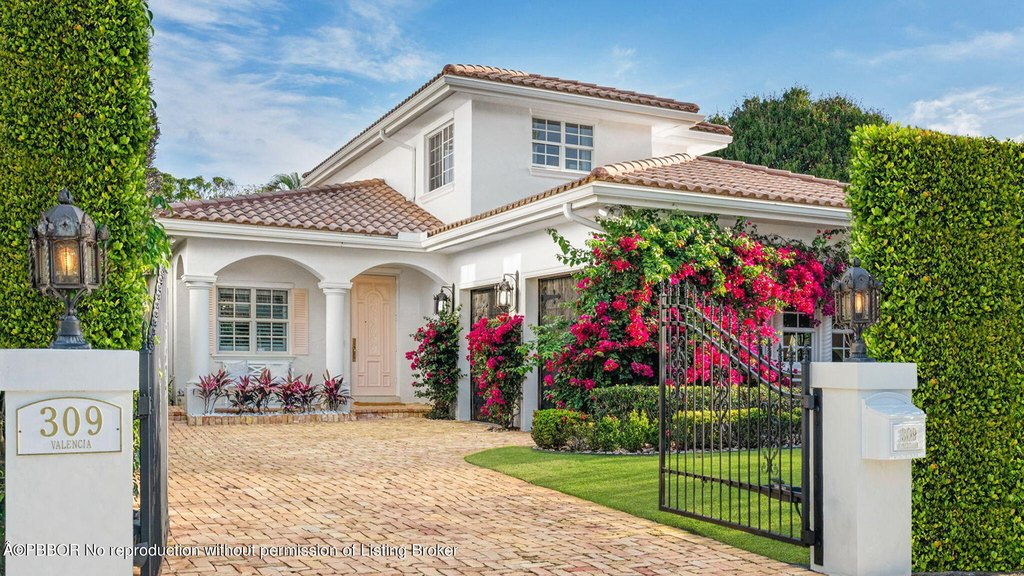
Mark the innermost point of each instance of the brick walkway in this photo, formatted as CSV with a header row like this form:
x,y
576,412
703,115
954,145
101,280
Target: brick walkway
x,y
399,483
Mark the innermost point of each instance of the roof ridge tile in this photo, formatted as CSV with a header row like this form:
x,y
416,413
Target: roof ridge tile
x,y
621,168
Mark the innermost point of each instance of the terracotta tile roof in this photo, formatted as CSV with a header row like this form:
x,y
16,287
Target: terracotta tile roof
x,y
702,174
560,85
364,207
713,128
534,81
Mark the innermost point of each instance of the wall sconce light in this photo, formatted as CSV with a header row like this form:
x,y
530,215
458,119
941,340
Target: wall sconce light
x,y
444,301
506,292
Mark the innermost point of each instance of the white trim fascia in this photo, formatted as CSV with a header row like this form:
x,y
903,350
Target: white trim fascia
x,y
646,197
231,231
486,229
479,86
393,122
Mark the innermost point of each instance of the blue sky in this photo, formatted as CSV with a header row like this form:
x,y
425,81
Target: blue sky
x,y
249,88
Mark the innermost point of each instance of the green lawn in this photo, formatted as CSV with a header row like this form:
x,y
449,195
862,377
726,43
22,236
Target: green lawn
x,y
630,484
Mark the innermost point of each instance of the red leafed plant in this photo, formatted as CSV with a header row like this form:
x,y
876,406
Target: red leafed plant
x,y
243,395
264,389
297,394
335,392
211,388
499,364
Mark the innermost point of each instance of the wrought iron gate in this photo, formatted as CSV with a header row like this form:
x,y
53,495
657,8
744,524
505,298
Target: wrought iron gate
x,y
738,423
152,527
482,304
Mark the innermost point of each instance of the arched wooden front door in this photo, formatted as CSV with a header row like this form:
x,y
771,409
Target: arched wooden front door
x,y
373,338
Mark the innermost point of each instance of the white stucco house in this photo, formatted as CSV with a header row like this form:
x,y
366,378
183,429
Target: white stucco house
x,y
454,185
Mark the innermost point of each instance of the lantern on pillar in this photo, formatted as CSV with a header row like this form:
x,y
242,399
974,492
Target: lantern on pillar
x,y
856,295
68,257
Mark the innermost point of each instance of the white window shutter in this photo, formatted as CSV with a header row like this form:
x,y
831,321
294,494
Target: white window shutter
x,y
213,320
300,322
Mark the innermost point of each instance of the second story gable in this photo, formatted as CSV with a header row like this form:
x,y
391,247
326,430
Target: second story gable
x,y
474,138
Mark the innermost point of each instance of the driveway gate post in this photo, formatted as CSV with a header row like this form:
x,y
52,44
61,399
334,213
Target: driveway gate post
x,y
69,460
870,432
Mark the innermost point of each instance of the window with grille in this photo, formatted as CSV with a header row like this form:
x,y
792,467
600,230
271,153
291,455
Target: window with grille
x,y
842,339
564,145
797,335
252,320
441,160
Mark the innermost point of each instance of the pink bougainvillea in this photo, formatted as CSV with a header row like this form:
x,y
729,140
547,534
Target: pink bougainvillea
x,y
750,276
498,360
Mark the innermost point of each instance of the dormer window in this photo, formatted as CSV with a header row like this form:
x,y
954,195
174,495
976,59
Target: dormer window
x,y
563,145
441,157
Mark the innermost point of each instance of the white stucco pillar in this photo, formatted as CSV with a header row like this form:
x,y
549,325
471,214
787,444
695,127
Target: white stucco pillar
x,y
337,328
200,290
69,460
870,433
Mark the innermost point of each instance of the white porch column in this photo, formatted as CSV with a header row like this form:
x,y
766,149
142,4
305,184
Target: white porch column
x,y
337,326
199,294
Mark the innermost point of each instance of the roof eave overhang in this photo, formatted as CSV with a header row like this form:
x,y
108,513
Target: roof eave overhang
x,y
480,86
705,203
182,228
596,194
407,112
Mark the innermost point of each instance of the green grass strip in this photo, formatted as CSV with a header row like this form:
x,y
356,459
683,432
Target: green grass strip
x,y
625,483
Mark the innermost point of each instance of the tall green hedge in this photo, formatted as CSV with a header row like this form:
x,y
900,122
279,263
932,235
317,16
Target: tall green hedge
x,y
941,220
74,113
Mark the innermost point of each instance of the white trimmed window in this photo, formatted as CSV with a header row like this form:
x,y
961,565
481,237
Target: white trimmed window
x,y
563,145
441,157
797,335
842,339
252,320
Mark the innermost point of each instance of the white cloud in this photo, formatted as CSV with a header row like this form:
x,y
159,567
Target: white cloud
x,y
985,45
244,101
369,42
978,112
623,60
207,14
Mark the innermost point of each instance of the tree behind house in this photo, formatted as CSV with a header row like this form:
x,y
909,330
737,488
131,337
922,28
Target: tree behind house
x,y
75,113
793,132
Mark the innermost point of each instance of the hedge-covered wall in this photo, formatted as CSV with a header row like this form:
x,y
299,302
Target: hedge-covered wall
x,y
941,220
74,113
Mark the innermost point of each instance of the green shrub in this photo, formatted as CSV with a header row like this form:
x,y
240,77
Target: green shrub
x,y
75,113
619,401
604,434
730,429
555,428
938,218
636,431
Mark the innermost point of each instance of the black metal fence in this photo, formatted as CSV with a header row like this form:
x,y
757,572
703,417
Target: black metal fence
x,y
152,521
735,415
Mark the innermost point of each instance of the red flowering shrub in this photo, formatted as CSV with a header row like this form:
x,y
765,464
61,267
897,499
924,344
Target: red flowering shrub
x,y
499,365
613,340
435,362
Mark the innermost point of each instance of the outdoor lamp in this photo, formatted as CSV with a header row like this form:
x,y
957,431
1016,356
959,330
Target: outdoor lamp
x,y
505,292
856,295
444,300
67,256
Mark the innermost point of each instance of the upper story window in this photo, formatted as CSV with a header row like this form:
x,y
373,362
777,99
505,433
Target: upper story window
x,y
441,157
252,319
563,145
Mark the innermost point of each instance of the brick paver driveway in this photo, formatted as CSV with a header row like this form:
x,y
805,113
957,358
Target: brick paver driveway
x,y
386,485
